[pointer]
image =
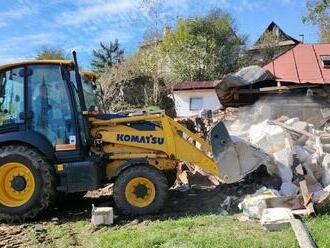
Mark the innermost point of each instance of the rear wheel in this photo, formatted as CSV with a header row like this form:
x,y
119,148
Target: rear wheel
x,y
27,183
140,190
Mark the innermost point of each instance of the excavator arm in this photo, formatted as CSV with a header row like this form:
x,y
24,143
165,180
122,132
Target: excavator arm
x,y
165,142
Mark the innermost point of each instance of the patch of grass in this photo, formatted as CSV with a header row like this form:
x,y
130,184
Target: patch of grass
x,y
186,232
199,231
319,227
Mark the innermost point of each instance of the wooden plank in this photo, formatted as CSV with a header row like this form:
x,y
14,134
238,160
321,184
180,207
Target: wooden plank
x,y
302,234
303,132
300,212
304,191
292,202
274,89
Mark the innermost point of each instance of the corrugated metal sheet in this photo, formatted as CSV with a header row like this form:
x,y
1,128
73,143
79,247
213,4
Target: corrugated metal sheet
x,y
196,85
302,64
246,76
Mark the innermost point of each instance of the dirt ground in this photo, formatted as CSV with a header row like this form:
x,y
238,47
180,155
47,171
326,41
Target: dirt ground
x,y
203,197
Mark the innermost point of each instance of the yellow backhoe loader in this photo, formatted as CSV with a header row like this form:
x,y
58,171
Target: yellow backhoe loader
x,y
53,140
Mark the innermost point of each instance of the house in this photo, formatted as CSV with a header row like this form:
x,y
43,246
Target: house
x,y
302,70
303,64
191,98
279,42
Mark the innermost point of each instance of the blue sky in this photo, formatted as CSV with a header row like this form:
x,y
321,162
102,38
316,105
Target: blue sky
x,y
28,25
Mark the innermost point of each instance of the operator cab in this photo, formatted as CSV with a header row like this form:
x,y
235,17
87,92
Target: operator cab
x,y
40,105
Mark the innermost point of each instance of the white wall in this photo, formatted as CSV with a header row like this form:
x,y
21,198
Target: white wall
x,y
182,101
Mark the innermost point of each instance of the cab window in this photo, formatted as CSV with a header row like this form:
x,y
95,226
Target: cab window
x,y
11,96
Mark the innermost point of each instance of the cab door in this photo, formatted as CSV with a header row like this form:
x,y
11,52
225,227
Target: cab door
x,y
52,109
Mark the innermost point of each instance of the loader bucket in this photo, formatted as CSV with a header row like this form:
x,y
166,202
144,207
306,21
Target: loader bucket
x,y
234,157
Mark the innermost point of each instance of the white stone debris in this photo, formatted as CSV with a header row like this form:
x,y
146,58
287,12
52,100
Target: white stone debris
x,y
102,216
253,205
274,219
289,142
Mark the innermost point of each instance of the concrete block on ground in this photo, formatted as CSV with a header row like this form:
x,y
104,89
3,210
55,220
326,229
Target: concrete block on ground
x,y
102,216
274,219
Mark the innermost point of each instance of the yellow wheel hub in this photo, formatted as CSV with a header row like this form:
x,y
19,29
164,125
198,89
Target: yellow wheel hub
x,y
140,192
17,184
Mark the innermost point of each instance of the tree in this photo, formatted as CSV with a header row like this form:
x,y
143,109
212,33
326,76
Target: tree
x,y
318,13
137,82
51,53
107,56
204,48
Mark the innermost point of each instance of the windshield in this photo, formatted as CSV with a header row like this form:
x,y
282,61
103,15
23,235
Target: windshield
x,y
90,93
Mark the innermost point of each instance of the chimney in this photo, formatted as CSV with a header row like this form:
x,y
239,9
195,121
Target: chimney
x,y
302,38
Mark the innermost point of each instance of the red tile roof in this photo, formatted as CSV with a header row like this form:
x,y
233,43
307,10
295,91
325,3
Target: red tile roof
x,y
302,64
196,85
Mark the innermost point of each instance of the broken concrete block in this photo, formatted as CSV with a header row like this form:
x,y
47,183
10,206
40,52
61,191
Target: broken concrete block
x,y
284,161
253,205
289,189
269,138
312,164
39,227
326,170
102,216
302,153
274,219
284,157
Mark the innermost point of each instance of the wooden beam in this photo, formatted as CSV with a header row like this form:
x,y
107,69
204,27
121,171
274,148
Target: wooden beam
x,y
304,191
302,234
275,88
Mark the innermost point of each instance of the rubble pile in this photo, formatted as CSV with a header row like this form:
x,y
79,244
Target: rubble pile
x,y
299,155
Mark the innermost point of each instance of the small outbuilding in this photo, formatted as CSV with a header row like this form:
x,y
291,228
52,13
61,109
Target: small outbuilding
x,y
191,98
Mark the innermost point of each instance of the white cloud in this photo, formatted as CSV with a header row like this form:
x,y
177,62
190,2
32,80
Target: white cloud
x,y
110,35
24,46
31,39
96,12
18,10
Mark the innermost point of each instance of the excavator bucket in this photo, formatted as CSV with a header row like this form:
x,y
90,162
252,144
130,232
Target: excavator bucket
x,y
234,157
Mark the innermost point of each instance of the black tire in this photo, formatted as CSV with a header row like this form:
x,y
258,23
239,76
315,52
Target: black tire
x,y
146,171
44,176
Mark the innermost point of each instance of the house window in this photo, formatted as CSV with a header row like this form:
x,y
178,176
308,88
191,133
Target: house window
x,y
196,103
326,61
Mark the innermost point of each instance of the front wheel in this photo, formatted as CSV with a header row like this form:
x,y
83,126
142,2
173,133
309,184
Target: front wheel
x,y
27,183
140,190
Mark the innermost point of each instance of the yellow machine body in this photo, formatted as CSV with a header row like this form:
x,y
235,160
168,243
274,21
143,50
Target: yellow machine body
x,y
163,147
